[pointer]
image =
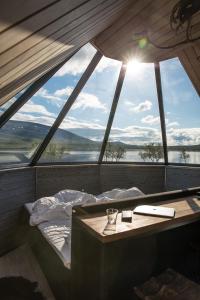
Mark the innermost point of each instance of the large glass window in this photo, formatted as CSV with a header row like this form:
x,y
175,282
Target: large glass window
x,y
80,135
135,135
6,105
21,135
182,110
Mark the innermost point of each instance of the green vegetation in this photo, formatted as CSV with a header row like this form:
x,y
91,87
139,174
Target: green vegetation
x,y
54,151
114,152
152,152
184,156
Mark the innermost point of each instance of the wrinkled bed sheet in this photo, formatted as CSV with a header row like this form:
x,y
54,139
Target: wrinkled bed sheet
x,y
53,214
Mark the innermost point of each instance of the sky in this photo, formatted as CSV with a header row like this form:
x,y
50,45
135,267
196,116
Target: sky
x,y
137,117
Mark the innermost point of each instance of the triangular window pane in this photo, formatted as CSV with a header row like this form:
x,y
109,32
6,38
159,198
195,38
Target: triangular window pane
x,y
182,110
80,135
6,105
136,135
20,136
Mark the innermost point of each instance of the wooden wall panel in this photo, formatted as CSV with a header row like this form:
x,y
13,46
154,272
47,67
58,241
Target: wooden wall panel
x,y
190,59
52,179
96,179
34,44
150,179
178,178
17,187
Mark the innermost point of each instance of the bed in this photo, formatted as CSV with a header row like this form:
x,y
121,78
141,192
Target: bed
x,y
50,231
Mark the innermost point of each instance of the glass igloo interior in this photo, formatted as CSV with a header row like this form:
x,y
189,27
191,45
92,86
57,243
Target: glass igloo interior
x,y
135,135
99,149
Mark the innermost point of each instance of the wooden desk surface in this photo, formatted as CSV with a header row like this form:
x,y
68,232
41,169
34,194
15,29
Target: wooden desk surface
x,y
187,211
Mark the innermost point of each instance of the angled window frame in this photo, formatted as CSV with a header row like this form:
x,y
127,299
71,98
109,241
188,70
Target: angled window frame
x,y
78,88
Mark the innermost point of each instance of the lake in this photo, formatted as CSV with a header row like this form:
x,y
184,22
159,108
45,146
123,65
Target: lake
x,y
131,156
87,156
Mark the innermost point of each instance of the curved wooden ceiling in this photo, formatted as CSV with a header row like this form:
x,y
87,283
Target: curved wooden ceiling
x,y
153,17
36,35
144,18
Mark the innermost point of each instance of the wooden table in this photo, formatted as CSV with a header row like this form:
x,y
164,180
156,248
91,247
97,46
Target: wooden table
x,y
187,210
107,267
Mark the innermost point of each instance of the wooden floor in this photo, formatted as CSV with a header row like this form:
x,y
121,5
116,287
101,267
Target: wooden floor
x,y
21,262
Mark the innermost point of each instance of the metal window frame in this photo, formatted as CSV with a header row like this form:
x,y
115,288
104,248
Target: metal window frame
x,y
72,98
7,115
146,164
112,111
86,75
161,110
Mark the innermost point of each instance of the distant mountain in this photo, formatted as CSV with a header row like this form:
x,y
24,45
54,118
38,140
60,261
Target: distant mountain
x,y
26,135
19,134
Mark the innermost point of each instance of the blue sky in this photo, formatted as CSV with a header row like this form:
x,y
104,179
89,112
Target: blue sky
x,y
137,117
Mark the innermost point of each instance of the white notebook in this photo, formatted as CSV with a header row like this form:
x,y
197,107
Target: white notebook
x,y
160,211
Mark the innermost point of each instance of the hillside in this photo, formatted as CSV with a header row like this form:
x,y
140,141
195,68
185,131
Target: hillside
x,y
18,134
27,135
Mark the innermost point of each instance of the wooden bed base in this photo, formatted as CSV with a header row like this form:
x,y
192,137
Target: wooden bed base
x,y
58,276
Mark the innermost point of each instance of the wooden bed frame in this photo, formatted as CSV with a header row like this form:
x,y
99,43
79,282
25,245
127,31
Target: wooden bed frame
x,y
58,276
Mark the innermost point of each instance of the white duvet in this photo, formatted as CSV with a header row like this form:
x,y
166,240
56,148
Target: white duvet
x,y
53,214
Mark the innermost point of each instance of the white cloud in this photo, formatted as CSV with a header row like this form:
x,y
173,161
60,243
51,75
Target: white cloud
x,y
107,63
32,108
135,135
44,93
45,120
70,123
151,120
57,98
63,92
172,124
141,107
78,63
86,100
183,136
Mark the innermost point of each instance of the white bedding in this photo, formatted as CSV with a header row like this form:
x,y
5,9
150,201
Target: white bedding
x,y
52,215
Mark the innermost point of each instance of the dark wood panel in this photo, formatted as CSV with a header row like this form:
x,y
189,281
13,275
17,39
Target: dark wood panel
x,y
182,177
51,180
150,179
17,187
